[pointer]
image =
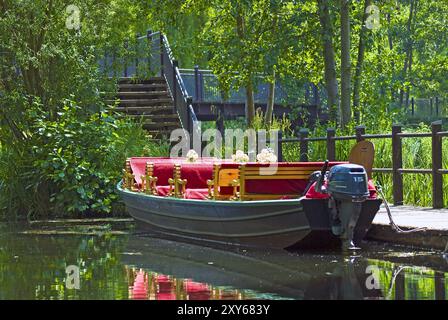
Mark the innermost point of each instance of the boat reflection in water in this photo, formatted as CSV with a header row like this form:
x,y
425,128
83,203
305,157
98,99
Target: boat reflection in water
x,y
186,271
153,286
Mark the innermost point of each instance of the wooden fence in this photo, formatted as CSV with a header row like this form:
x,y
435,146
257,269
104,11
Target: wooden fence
x,y
397,169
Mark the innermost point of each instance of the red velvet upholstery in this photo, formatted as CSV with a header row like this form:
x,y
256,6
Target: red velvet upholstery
x,y
163,191
163,167
196,194
280,186
199,172
312,194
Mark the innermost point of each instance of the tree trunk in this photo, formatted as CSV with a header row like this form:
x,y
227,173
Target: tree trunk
x,y
359,64
331,83
271,100
345,63
391,47
409,47
250,105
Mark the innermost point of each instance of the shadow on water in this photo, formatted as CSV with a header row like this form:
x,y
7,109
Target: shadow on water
x,y
145,267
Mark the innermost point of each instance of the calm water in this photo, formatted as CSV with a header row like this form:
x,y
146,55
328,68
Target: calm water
x,y
143,267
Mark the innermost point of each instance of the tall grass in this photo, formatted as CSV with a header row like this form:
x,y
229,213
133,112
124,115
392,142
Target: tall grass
x,y
416,155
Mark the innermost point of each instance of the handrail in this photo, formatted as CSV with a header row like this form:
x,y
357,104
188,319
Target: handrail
x,y
436,171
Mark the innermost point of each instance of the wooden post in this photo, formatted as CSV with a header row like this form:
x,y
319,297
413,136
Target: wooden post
x,y
175,65
331,144
437,178
303,134
280,146
220,120
316,100
397,163
149,39
400,286
439,287
161,54
137,53
437,106
126,45
431,105
201,86
360,131
413,105
196,83
190,120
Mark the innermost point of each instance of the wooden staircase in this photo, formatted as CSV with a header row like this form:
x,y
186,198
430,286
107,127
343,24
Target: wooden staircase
x,y
150,102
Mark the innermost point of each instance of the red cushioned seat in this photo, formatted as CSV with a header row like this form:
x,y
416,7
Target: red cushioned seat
x,y
312,194
163,191
196,194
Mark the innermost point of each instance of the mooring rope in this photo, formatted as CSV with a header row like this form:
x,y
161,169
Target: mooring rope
x,y
392,223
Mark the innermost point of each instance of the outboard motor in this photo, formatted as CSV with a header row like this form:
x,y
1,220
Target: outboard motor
x,y
347,187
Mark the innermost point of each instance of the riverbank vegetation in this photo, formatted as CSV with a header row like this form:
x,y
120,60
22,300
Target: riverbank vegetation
x,y
62,148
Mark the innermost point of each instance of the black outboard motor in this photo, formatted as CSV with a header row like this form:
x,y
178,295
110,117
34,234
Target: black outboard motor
x,y
347,187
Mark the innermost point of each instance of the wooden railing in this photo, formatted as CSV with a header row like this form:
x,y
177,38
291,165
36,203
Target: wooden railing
x,y
397,170
151,55
427,108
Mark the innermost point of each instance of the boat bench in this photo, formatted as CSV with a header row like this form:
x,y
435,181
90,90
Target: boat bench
x,y
269,182
210,179
256,181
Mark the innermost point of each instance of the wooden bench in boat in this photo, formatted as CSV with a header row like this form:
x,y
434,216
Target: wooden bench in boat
x,y
220,180
223,185
275,181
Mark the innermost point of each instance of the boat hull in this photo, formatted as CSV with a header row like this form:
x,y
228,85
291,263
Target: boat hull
x,y
292,223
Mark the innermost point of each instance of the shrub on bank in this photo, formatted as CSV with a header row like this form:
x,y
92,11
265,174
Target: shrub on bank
x,y
69,166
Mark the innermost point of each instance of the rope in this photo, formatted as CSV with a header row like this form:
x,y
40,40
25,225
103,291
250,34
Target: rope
x,y
392,223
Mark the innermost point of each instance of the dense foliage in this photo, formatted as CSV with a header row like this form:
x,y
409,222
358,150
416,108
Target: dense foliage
x,y
61,148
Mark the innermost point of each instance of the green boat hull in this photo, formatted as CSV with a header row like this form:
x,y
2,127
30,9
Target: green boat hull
x,y
291,223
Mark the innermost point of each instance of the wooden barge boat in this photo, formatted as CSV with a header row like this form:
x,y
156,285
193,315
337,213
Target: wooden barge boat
x,y
282,205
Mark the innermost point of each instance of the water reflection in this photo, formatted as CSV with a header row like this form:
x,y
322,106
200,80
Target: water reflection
x,y
135,267
148,285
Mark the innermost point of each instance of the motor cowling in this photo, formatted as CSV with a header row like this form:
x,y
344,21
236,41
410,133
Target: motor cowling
x,y
347,186
348,182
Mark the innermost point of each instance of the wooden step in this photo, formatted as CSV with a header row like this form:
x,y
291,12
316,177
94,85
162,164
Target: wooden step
x,y
142,102
143,94
142,87
158,134
146,109
161,125
152,80
154,117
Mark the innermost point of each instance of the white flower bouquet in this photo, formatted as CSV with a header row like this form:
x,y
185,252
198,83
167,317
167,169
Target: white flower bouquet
x,y
192,156
266,156
240,156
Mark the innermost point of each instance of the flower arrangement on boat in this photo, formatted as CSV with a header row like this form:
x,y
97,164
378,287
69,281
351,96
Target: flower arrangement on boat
x,y
240,157
266,156
192,156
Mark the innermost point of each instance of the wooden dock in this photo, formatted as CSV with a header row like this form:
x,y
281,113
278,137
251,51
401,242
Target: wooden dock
x,y
407,217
